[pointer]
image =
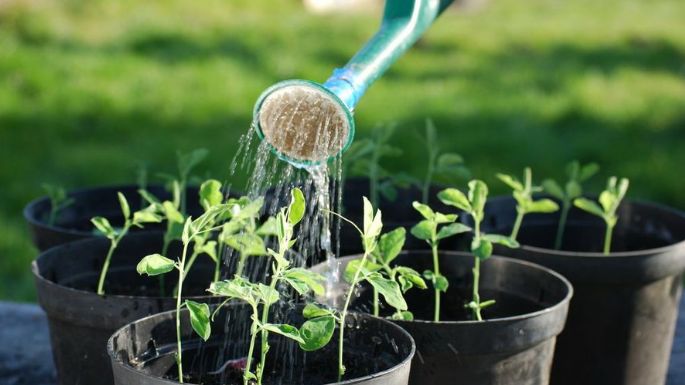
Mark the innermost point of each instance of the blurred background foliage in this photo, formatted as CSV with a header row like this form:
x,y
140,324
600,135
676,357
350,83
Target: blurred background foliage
x,y
89,89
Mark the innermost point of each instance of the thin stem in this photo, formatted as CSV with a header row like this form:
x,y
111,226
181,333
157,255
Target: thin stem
x,y
607,239
253,342
181,277
565,207
429,175
265,319
476,295
436,272
105,267
343,316
376,309
53,214
241,264
217,270
517,224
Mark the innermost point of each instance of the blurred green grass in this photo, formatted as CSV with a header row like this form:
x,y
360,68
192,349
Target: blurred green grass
x,y
88,89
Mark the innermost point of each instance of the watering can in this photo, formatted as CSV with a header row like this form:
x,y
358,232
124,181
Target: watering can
x,y
307,123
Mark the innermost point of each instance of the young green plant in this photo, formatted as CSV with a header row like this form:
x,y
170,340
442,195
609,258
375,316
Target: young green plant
x,y
576,174
138,219
481,245
609,201
523,194
157,264
439,163
359,273
58,201
433,228
316,332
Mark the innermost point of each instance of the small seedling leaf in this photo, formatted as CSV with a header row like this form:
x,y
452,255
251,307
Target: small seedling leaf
x,y
317,333
607,200
297,207
155,264
441,218
104,227
552,188
478,195
285,330
542,206
171,212
246,243
424,210
403,316
588,171
454,197
355,264
268,228
390,244
411,276
511,182
187,231
589,206
389,289
452,229
311,280
268,295
312,311
449,161
481,248
573,189
501,240
210,193
441,283
125,208
199,318
423,230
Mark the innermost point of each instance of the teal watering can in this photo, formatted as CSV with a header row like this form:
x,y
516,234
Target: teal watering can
x,y
307,123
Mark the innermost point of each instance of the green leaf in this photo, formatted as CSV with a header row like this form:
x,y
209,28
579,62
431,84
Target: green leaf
x,y
587,171
267,294
312,311
297,206
403,316
452,229
511,182
310,279
373,224
171,212
209,248
441,218
552,188
454,197
146,215
284,330
573,189
412,276
104,227
317,333
210,193
268,228
187,231
482,248
441,283
389,289
355,264
125,208
449,161
423,230
238,288
186,162
501,240
151,199
542,206
246,243
199,318
589,206
390,244
622,188
607,200
155,264
424,210
478,195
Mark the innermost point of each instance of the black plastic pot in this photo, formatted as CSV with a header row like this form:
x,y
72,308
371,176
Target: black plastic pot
x,y
397,213
515,343
73,222
81,321
377,352
622,320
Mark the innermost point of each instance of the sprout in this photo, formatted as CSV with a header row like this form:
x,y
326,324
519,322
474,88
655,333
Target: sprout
x,y
58,201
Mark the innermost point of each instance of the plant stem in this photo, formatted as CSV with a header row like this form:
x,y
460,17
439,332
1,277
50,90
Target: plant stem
x,y
517,224
181,277
436,272
241,265
265,319
476,295
253,342
105,267
607,239
376,309
565,207
429,175
343,316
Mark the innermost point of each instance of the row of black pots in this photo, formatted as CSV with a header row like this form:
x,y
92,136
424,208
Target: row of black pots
x,y
514,346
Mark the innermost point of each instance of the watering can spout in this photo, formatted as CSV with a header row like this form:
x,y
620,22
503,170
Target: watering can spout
x,y
308,123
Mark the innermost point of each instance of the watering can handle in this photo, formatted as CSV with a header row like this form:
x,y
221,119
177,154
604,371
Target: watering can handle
x,y
404,21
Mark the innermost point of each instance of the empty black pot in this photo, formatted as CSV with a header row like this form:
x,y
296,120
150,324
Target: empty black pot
x,y
377,352
81,321
515,343
73,222
622,319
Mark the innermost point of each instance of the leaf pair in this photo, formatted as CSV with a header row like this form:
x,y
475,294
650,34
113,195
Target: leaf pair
x,y
523,194
427,229
609,201
369,272
576,175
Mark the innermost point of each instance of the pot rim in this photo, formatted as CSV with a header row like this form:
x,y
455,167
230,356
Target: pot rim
x,y
406,361
563,303
616,254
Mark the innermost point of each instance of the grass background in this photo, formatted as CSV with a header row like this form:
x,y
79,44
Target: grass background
x,y
88,89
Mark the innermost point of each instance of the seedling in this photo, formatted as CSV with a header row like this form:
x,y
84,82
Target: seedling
x,y
576,174
157,264
186,162
439,163
380,260
433,228
58,201
481,246
610,199
241,232
523,194
316,332
360,272
138,219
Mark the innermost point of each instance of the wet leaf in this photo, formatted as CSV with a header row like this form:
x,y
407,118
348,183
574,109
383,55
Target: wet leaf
x,y
285,330
452,229
310,279
155,264
390,244
210,193
125,208
424,210
317,333
199,318
267,294
454,197
248,244
312,311
389,289
355,264
423,230
297,207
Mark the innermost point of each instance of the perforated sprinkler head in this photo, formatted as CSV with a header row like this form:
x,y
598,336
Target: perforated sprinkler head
x,y
304,122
